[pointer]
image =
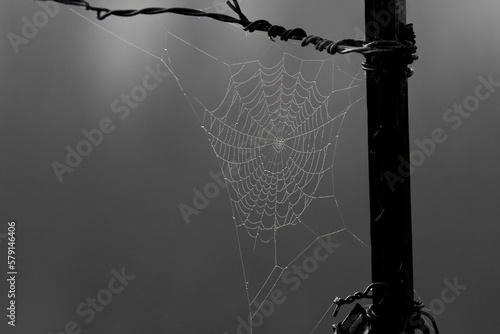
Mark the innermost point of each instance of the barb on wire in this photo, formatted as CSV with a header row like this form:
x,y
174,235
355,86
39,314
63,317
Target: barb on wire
x,y
366,294
344,46
351,298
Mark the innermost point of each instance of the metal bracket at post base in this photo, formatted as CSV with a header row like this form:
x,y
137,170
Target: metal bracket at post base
x,y
361,319
357,322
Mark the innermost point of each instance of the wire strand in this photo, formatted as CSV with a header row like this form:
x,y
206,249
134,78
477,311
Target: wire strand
x,y
344,46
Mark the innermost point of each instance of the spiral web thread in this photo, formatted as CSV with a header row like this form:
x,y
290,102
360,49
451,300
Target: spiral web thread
x,y
275,140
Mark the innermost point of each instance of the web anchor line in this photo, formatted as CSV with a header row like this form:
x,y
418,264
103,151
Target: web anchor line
x,y
405,49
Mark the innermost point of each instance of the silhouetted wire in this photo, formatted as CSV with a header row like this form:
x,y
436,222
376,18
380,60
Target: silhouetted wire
x,y
321,44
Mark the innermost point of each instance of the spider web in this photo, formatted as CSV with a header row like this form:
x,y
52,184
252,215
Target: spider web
x,y
274,133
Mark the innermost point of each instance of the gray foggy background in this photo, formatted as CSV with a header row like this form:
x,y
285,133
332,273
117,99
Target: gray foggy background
x,y
119,207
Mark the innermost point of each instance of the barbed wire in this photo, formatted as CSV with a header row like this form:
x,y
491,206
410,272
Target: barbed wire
x,y
414,318
345,46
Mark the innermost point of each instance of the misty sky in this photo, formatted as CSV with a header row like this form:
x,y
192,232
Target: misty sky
x,y
106,226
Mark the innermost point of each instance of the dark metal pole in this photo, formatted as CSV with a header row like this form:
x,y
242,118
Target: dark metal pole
x,y
388,142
